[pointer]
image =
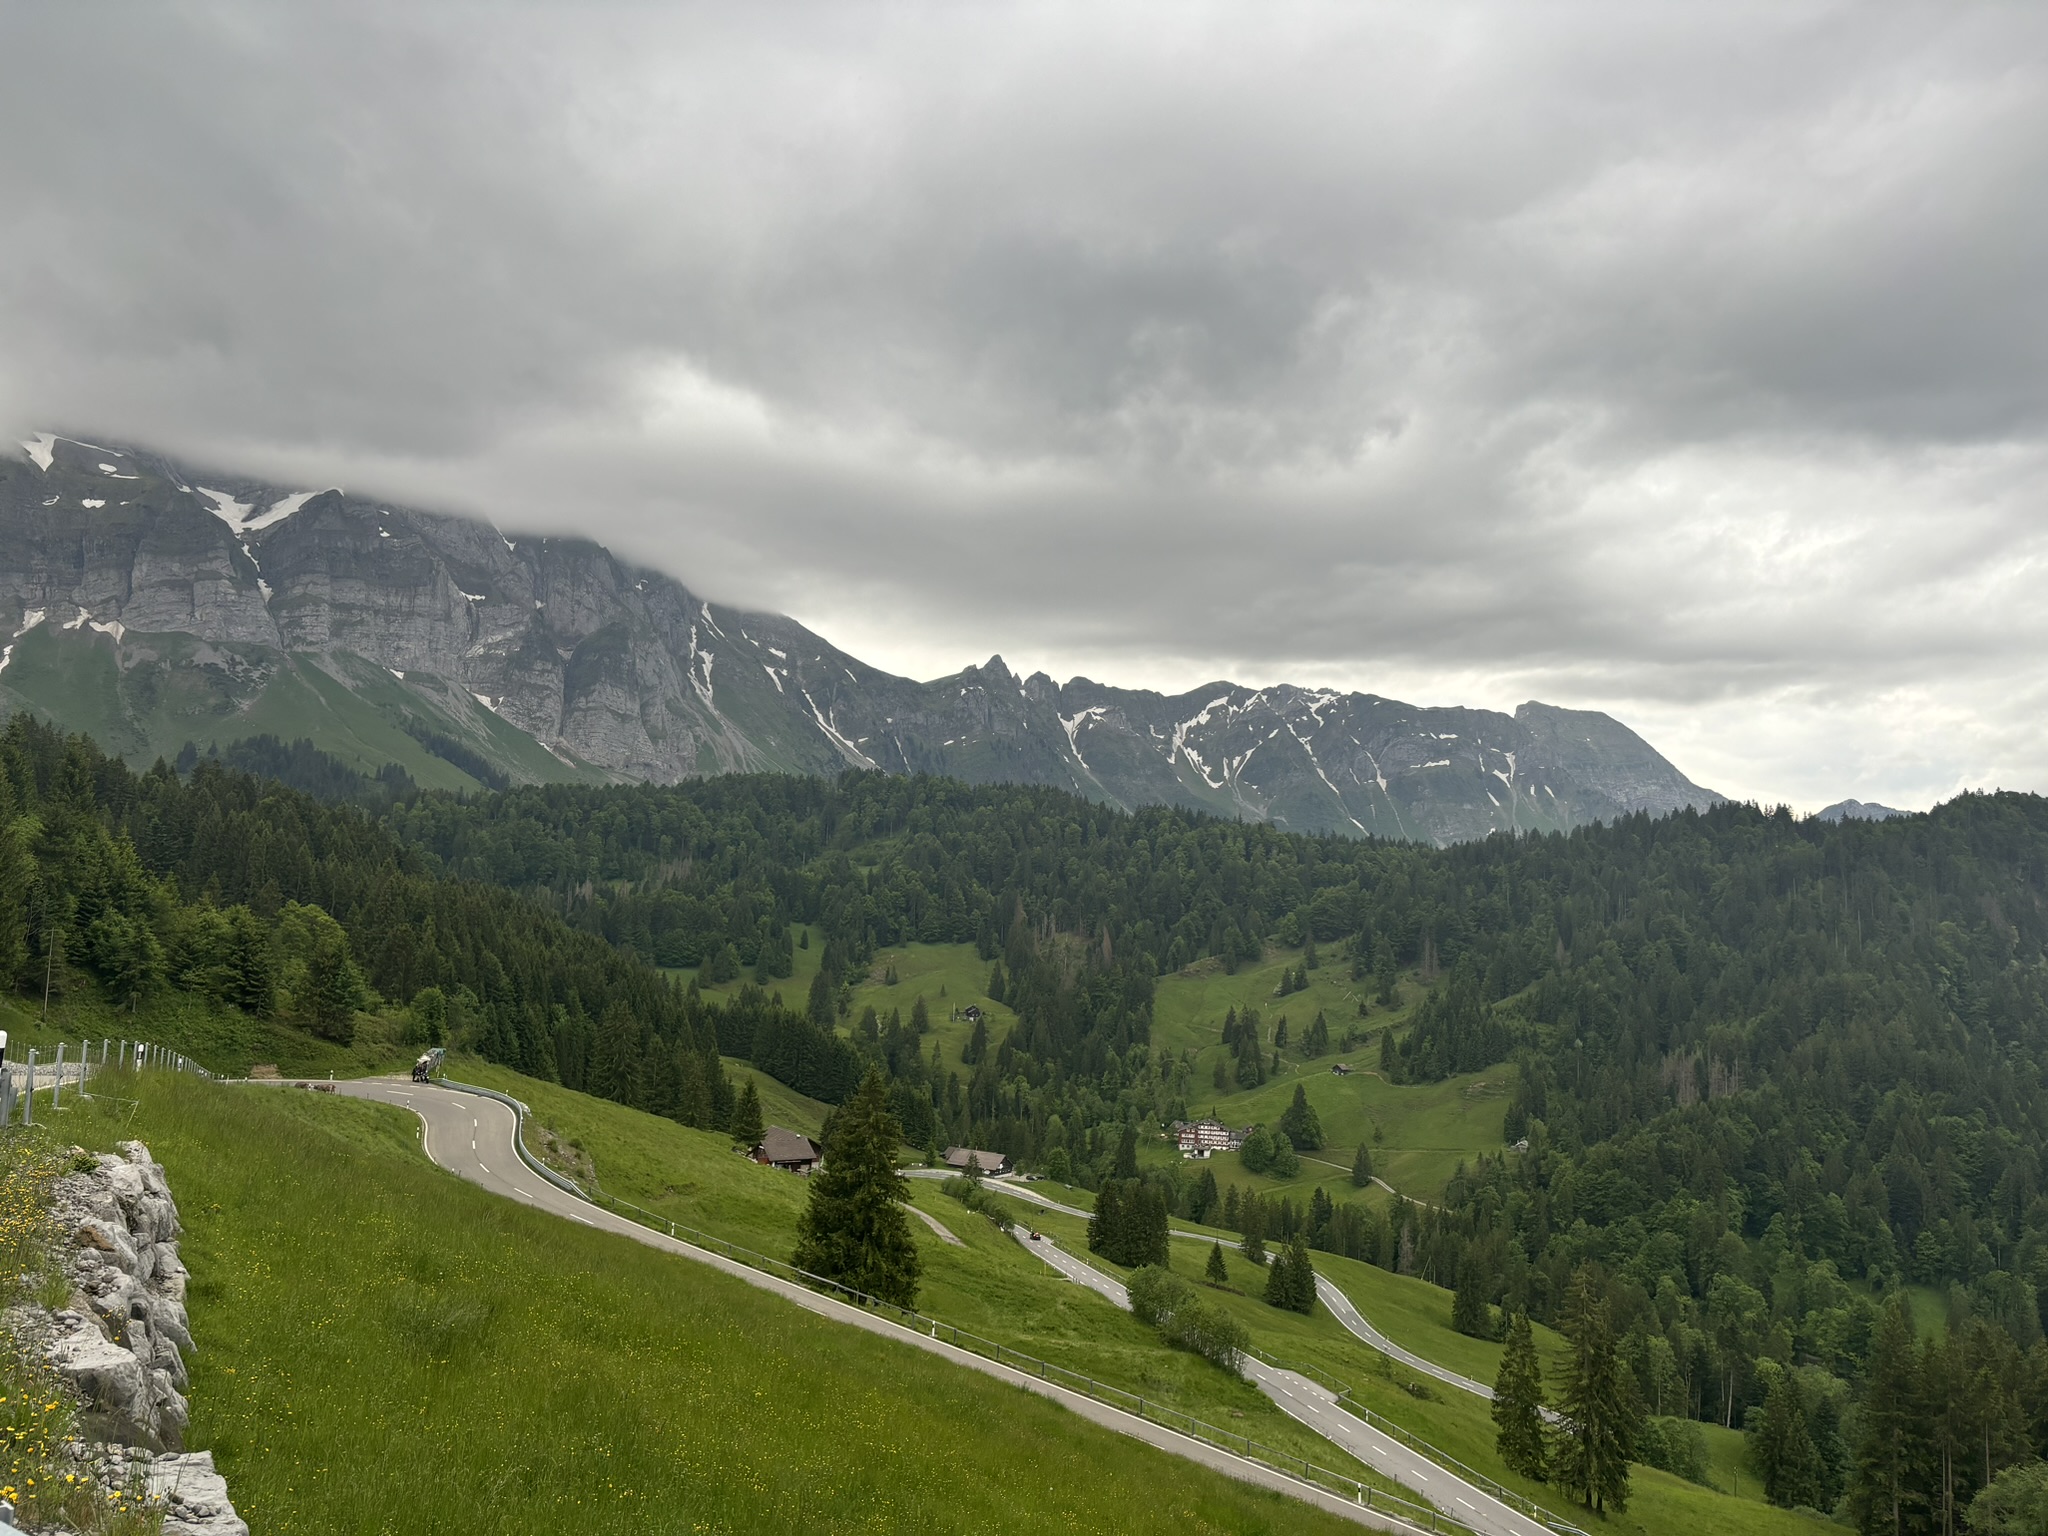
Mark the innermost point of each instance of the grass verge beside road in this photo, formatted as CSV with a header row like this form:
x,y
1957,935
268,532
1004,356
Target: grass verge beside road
x,y
383,1347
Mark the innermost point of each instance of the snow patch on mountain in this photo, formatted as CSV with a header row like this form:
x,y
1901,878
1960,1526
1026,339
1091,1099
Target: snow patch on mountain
x,y
1073,729
1314,762
42,450
283,508
852,751
226,508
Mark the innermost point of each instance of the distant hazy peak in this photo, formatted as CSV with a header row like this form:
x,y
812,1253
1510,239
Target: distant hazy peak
x,y
1858,810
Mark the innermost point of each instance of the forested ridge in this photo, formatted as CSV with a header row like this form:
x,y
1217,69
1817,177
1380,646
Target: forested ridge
x,y
1767,1070
236,889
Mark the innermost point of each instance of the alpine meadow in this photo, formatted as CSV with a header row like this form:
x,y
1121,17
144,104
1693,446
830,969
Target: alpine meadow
x,y
912,770
1763,1103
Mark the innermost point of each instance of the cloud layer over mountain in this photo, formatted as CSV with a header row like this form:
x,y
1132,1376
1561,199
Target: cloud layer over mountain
x,y
1683,364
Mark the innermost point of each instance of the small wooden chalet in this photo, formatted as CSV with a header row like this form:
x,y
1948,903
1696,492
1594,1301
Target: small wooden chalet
x,y
988,1162
787,1150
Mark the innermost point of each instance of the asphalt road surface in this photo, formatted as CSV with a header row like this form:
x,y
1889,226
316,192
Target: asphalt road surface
x,y
1341,1308
1303,1400
473,1137
1340,1305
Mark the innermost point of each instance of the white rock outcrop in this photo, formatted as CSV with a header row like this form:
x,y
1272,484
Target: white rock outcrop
x,y
122,1343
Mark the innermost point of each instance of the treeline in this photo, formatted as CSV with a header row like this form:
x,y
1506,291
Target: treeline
x,y
230,887
1768,1070
1754,1050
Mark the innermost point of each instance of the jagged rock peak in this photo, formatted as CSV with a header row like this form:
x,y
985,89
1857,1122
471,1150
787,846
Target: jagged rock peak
x,y
471,657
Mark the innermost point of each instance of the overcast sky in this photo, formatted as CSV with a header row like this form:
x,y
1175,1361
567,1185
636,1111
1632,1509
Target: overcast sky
x,y
1686,362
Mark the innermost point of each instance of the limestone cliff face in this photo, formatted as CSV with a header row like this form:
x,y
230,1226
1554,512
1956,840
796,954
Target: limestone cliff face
x,y
153,604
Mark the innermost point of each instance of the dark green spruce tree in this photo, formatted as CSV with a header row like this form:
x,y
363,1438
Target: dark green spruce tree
x,y
1784,1450
1518,1403
1251,1221
1126,1155
746,1125
1216,1273
1887,1487
1291,1281
1471,1311
854,1230
1599,1412
1361,1166
1299,1123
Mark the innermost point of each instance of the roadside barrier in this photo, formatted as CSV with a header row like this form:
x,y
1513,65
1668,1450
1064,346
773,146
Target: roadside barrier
x,y
1420,1517
21,1081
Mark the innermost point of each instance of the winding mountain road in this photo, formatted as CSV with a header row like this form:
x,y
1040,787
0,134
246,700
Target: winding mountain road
x,y
475,1138
1318,1409
1341,1306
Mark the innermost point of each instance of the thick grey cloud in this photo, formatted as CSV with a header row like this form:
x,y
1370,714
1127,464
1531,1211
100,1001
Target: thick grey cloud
x,y
1683,362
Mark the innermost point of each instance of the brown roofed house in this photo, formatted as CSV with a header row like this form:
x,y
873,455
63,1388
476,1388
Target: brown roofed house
x,y
787,1150
986,1162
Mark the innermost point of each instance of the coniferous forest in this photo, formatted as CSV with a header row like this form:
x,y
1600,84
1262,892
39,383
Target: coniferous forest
x,y
1769,1072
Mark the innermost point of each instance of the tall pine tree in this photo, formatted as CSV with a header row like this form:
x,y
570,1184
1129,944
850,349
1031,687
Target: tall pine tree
x,y
1299,1124
1215,1272
1291,1282
746,1115
854,1230
1471,1311
1600,1415
1784,1450
1518,1403
1887,1491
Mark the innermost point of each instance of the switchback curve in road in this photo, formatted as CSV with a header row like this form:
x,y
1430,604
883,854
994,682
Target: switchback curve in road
x,y
1319,1410
1341,1306
475,1138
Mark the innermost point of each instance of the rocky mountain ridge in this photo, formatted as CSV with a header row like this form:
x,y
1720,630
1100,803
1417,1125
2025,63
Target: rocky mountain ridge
x,y
1857,810
152,604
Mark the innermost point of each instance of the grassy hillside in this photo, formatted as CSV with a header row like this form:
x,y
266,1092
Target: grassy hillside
x,y
987,1283
992,1285
222,1039
385,1348
157,692
1458,1423
1418,1134
780,1105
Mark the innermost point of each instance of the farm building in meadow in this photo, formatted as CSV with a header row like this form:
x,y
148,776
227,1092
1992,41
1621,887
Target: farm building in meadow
x,y
788,1150
987,1162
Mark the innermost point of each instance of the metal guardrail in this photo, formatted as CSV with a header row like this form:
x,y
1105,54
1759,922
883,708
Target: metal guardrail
x,y
1420,1517
1519,1502
519,1114
24,1079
